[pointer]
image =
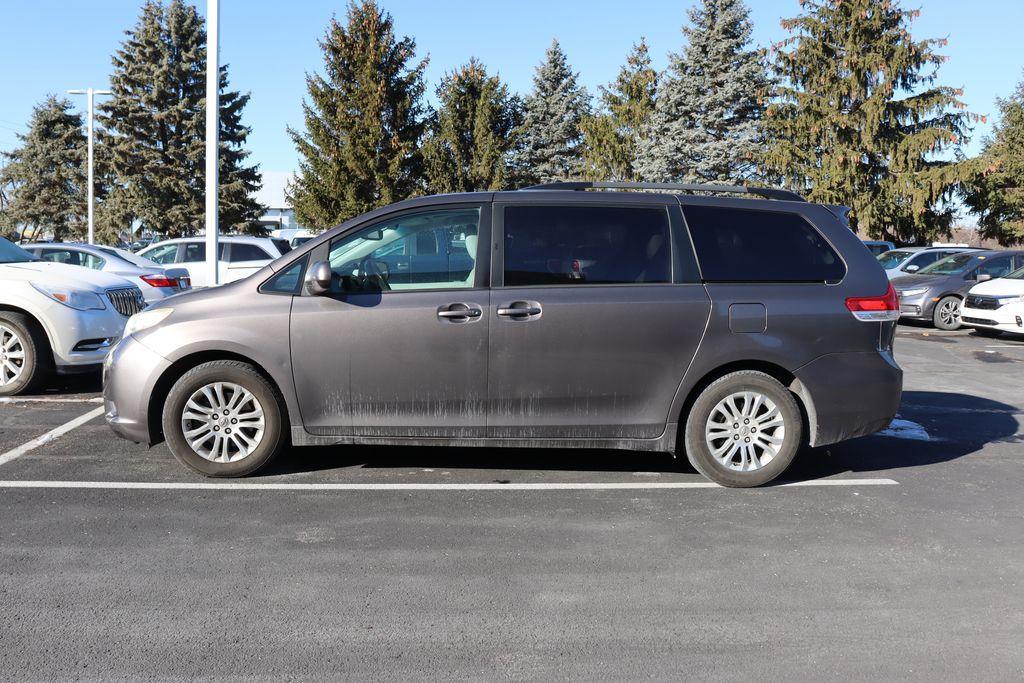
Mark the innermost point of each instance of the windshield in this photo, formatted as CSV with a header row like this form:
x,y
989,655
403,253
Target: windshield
x,y
12,253
951,265
892,259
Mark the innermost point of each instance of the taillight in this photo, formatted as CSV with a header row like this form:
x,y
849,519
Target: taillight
x,y
875,308
159,280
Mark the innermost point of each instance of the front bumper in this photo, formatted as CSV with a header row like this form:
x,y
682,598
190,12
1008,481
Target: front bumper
x,y
1008,318
918,307
130,375
851,394
71,332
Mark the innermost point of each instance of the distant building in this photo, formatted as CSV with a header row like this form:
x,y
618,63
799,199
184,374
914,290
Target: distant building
x,y
279,215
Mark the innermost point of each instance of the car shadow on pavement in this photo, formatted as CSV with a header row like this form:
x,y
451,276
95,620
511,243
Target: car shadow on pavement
x,y
936,427
932,427
59,385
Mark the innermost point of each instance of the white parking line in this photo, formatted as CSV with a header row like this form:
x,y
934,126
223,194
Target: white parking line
x,y
50,436
49,399
567,486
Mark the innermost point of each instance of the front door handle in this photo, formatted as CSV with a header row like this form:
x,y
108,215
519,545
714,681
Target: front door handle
x,y
520,310
459,313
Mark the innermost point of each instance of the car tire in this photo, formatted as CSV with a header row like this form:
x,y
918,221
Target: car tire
x,y
946,315
22,341
735,456
210,392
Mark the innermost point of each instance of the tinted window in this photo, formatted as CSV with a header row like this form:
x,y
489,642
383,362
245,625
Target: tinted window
x,y
996,267
411,252
164,254
246,252
586,245
891,259
11,253
288,281
743,245
951,265
196,251
72,257
926,259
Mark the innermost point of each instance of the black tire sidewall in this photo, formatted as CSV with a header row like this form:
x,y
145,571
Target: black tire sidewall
x,y
246,377
937,321
697,450
34,349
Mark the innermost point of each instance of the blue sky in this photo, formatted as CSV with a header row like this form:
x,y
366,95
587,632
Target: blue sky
x,y
53,45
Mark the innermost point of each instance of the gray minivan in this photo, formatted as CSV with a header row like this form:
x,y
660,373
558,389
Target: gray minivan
x,y
678,318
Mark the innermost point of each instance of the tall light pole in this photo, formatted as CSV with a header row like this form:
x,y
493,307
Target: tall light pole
x,y
212,135
90,93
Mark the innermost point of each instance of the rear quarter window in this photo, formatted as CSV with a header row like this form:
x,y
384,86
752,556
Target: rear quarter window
x,y
744,245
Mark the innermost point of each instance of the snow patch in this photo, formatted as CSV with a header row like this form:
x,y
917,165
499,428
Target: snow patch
x,y
905,429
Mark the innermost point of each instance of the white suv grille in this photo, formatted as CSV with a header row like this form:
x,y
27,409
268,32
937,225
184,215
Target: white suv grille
x,y
127,301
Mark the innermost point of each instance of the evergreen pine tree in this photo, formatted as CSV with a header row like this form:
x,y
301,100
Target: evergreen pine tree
x,y
364,121
611,137
706,123
550,140
153,141
997,193
860,119
46,175
471,133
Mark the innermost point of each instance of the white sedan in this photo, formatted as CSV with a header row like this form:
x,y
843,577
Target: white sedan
x,y
239,256
996,306
56,317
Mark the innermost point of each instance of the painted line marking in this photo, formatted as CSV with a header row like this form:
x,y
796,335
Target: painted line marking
x,y
50,436
568,486
49,399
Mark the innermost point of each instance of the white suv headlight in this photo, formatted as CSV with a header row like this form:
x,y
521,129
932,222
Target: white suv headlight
x,y
80,299
1006,300
914,292
145,320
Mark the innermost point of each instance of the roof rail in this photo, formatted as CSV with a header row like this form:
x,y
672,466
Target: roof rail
x,y
765,192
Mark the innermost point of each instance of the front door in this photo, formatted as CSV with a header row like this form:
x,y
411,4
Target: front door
x,y
397,352
596,319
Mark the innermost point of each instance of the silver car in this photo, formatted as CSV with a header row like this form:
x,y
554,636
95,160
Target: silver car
x,y
155,281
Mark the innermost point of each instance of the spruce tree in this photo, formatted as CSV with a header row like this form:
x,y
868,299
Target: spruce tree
x,y
46,175
611,137
364,121
706,123
471,133
550,139
860,120
153,138
997,193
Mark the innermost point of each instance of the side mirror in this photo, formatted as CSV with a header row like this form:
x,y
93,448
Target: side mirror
x,y
913,268
984,277
318,278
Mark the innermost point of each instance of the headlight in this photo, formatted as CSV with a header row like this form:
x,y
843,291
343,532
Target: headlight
x,y
914,292
1005,300
145,320
80,299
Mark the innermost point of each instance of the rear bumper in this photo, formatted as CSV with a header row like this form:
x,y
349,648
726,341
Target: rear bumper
x,y
849,394
130,374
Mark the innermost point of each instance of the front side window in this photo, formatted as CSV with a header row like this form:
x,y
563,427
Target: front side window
x,y
744,245
996,267
164,254
412,252
288,281
586,245
925,259
892,259
951,265
72,257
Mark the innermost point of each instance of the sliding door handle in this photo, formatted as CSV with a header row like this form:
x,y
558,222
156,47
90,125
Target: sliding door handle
x,y
519,310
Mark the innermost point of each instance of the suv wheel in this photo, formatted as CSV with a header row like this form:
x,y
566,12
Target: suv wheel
x,y
23,354
947,313
224,419
743,430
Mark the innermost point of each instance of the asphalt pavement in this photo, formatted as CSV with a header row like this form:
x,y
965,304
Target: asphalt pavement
x,y
898,556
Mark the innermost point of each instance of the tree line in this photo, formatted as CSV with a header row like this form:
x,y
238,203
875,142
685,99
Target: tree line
x,y
847,109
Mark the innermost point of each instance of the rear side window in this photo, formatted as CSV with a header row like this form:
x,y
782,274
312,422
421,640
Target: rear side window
x,y
586,245
246,252
743,245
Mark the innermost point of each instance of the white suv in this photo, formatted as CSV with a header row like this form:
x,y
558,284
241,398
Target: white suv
x,y
239,257
996,306
56,317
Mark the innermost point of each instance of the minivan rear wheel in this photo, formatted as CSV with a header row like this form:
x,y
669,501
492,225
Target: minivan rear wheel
x,y
224,419
744,429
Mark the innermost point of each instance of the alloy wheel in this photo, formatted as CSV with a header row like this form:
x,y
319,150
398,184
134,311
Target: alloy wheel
x,y
223,422
745,431
949,312
12,356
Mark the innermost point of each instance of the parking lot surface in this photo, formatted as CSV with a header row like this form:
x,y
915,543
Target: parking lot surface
x,y
898,556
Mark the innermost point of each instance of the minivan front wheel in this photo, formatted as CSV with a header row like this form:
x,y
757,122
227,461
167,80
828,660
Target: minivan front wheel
x,y
743,430
23,352
947,313
224,419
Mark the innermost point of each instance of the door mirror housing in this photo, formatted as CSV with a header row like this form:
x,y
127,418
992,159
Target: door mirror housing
x,y
984,277
912,268
318,278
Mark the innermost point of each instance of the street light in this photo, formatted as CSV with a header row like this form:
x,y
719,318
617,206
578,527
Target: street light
x,y
90,92
212,135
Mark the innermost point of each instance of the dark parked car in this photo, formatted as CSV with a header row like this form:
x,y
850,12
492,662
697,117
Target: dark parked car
x,y
936,292
732,329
